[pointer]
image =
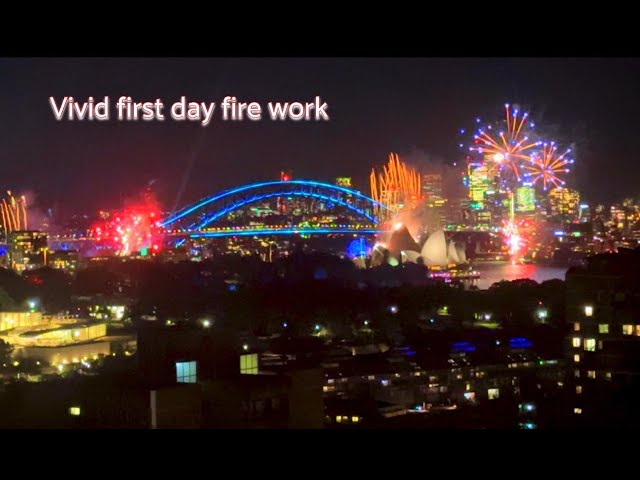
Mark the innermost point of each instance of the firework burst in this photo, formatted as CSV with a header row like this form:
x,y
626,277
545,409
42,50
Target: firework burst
x,y
545,166
513,236
397,185
13,212
517,235
132,229
507,144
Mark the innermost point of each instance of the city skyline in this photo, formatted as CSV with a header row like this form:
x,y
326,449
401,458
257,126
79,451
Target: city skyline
x,y
426,244
411,106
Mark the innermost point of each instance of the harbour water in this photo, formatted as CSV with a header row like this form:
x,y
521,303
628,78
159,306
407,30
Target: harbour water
x,y
491,272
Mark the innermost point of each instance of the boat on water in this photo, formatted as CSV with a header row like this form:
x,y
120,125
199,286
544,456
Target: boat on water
x,y
456,271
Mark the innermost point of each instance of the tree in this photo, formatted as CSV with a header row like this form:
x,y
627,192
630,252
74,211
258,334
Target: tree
x,y
6,349
52,287
6,302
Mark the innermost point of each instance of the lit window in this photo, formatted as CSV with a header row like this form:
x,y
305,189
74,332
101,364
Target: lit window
x,y
578,389
576,326
471,396
339,419
576,358
590,344
576,373
577,411
591,374
74,411
627,329
186,372
588,311
468,387
249,364
637,330
608,375
355,419
576,342
493,393
603,328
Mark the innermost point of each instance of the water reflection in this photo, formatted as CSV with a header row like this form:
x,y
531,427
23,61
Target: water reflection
x,y
491,273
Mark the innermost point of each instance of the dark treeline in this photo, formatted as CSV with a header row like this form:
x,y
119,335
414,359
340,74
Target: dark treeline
x,y
303,292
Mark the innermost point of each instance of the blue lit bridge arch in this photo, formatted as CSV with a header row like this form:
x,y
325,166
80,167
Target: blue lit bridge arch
x,y
205,212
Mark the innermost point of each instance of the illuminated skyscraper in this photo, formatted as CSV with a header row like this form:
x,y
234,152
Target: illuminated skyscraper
x,y
343,182
525,199
584,213
432,188
479,183
564,201
27,250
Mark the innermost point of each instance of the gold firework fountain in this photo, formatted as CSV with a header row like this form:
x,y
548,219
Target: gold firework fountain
x,y
396,186
13,211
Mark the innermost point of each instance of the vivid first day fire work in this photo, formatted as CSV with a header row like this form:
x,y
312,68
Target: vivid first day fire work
x,y
231,109
325,268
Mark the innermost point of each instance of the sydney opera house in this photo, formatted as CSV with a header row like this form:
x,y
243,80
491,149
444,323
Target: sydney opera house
x,y
442,257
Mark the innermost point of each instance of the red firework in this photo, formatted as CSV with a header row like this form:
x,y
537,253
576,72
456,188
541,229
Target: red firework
x,y
517,236
134,228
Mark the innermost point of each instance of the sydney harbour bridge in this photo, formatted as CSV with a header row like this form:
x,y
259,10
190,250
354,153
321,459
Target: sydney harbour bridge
x,y
341,210
198,219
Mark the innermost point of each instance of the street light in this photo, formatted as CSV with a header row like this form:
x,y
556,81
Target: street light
x,y
32,304
542,314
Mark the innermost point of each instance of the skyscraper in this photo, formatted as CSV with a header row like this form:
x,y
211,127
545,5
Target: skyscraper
x,y
525,199
479,183
26,250
432,188
344,182
564,202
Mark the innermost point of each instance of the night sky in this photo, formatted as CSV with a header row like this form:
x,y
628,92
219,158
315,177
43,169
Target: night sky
x,y
412,106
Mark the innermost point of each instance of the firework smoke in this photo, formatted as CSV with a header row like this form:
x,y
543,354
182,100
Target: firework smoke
x,y
134,228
